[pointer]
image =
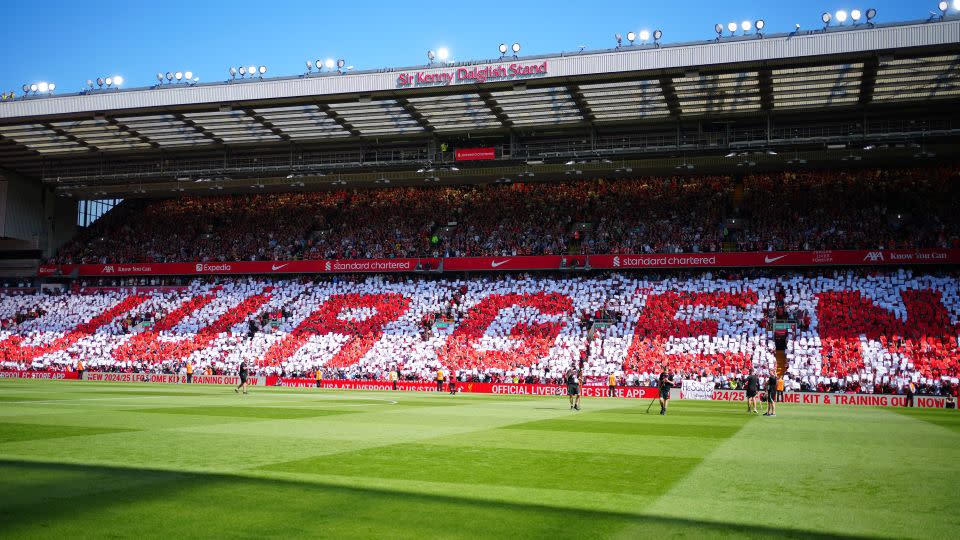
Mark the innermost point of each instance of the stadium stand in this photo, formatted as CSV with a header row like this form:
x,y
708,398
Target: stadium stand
x,y
865,209
854,330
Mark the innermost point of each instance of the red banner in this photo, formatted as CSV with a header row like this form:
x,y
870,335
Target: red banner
x,y
777,258
60,375
842,400
472,387
541,262
475,154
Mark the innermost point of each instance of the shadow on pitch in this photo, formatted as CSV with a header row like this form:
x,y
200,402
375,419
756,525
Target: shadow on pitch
x,y
89,497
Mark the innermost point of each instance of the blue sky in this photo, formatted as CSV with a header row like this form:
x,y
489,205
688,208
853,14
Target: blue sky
x,y
68,42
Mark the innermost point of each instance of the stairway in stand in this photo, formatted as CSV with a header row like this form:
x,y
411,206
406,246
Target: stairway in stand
x,y
781,363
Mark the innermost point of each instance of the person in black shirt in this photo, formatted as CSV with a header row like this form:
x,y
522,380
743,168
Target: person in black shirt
x,y
664,384
771,395
573,388
753,388
243,378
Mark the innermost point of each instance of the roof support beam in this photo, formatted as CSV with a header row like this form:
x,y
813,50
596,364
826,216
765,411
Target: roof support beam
x,y
581,102
265,123
341,121
66,135
868,80
766,89
496,109
122,127
415,114
670,95
198,127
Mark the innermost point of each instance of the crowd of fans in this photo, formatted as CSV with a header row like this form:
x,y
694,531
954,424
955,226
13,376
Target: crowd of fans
x,y
870,332
868,209
865,209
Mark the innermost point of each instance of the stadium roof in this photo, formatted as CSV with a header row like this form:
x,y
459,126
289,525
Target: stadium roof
x,y
806,72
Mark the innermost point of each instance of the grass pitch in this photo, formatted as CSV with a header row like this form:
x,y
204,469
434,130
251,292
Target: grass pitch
x,y
81,459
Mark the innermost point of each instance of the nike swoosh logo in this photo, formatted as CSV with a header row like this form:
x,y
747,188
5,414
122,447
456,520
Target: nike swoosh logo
x,y
494,264
276,267
769,260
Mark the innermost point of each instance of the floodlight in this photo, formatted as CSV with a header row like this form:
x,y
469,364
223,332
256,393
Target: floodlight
x,y
33,87
186,75
718,28
956,5
872,12
841,16
759,24
252,70
26,88
340,63
644,35
243,71
100,80
319,64
169,76
943,6
309,65
503,48
431,55
826,17
657,34
516,47
632,36
43,87
178,75
732,27
109,81
855,15
746,26
262,70
329,63
118,80
233,71
90,83
443,54
619,38
159,77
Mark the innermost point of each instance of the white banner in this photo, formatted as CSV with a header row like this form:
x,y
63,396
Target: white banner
x,y
696,390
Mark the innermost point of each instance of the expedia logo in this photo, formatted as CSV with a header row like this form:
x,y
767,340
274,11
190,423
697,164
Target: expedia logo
x,y
874,256
616,261
213,267
108,269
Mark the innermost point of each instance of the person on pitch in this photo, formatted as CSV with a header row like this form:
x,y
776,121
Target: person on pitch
x,y
612,385
242,372
440,380
452,383
319,377
573,387
664,384
753,388
772,382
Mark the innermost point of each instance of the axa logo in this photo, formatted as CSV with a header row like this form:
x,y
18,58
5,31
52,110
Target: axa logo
x,y
495,264
874,256
616,261
327,266
108,269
